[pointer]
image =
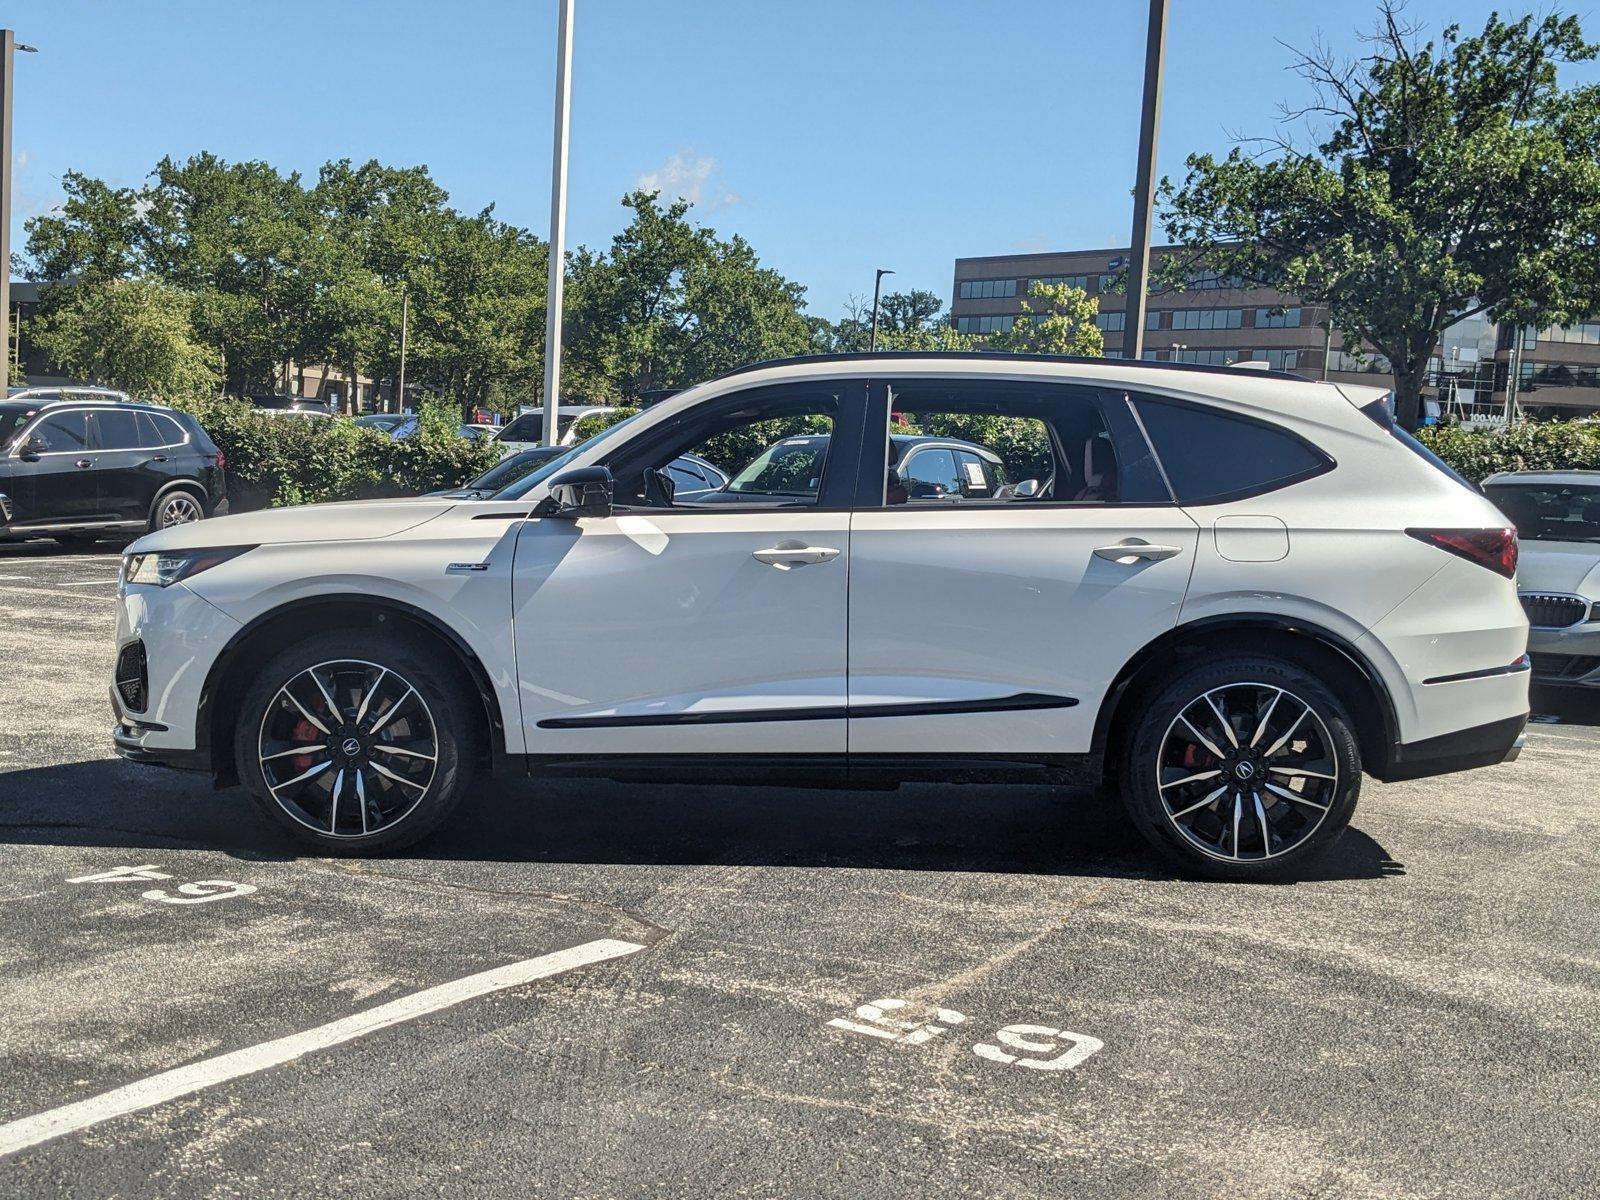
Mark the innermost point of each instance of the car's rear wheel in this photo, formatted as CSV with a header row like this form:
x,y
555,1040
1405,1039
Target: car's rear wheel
x,y
177,507
1245,768
355,743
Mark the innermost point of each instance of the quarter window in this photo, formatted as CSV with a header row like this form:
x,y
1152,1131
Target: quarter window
x,y
1211,457
931,475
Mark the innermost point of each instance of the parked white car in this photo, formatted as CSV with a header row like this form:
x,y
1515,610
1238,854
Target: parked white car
x,y
1557,515
527,429
1238,591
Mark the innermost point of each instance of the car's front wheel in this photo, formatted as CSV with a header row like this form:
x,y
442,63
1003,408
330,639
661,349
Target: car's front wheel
x,y
1243,768
356,743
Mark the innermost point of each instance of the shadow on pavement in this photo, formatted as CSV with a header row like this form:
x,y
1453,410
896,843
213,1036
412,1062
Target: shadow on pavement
x,y
1035,830
1565,705
49,548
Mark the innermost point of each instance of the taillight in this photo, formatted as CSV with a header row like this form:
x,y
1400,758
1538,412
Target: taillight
x,y
222,459
1492,548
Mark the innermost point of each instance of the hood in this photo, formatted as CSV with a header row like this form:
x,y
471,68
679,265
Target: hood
x,y
359,520
1559,567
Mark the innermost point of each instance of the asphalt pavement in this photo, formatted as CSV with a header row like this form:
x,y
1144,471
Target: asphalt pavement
x,y
938,991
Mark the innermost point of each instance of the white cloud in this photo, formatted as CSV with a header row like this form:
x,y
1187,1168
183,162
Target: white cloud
x,y
692,177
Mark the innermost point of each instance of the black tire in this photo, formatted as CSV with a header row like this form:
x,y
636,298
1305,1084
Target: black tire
x,y
161,516
397,813
1306,789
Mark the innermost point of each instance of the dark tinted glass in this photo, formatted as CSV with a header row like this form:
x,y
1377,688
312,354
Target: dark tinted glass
x,y
168,431
1211,456
63,432
114,430
528,428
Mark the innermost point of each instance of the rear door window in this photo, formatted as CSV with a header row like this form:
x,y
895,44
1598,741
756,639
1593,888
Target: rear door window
x,y
931,475
1212,457
114,430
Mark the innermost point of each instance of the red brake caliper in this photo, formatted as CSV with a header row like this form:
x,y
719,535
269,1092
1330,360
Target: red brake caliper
x,y
305,731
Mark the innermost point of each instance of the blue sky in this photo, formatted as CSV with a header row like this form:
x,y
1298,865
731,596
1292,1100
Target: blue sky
x,y
836,135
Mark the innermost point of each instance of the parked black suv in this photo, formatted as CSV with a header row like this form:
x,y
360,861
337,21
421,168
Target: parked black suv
x,y
80,465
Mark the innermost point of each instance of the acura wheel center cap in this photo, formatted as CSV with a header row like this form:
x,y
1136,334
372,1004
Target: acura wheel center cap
x,y
1244,770
351,747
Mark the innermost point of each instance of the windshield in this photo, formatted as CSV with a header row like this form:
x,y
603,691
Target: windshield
x,y
12,418
791,468
1550,512
527,483
508,470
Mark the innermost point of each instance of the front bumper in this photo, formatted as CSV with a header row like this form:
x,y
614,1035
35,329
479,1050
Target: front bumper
x,y
129,738
1566,657
1481,746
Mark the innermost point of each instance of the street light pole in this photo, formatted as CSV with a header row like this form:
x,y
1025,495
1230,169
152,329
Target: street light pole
x,y
1144,189
877,286
8,45
556,286
405,320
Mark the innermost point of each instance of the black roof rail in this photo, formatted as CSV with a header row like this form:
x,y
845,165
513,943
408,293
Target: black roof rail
x,y
991,355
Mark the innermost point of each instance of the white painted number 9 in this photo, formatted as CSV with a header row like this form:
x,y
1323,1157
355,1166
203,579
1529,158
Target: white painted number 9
x,y
202,892
1079,1046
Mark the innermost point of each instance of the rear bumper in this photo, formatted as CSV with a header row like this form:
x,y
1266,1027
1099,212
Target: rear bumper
x,y
1481,746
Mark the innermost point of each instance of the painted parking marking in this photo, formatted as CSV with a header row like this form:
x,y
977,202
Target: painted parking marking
x,y
202,891
1046,1047
208,1072
86,582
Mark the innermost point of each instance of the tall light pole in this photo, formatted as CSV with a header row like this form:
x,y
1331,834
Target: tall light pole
x,y
556,286
405,321
1144,189
877,287
8,45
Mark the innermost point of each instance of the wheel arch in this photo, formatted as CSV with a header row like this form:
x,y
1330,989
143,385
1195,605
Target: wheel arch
x,y
262,637
185,484
1352,676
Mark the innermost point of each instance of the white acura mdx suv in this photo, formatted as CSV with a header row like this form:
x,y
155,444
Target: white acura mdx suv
x,y
1233,592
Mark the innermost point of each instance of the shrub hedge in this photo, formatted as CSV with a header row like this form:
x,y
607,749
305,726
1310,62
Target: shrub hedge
x,y
1531,446
277,460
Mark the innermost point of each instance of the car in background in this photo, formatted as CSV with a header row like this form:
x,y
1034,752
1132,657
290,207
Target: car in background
x,y
477,429
691,474
315,414
923,467
382,422
1557,515
527,429
80,468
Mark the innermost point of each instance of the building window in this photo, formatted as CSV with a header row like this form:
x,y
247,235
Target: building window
x,y
1351,364
1076,281
1211,281
1582,334
1111,322
1152,320
1277,318
983,325
987,289
1206,358
1207,318
1280,360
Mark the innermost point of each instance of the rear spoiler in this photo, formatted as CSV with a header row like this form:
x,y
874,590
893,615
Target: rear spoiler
x,y
1363,395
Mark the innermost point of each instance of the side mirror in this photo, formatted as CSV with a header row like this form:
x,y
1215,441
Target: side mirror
x,y
31,449
1026,490
580,492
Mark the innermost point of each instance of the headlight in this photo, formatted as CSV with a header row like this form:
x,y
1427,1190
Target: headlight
x,y
167,567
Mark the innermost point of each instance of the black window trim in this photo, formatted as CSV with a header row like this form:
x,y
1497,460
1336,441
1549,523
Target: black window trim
x,y
1327,464
871,493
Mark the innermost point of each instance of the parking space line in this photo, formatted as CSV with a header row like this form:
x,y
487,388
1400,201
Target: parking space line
x,y
182,1081
85,582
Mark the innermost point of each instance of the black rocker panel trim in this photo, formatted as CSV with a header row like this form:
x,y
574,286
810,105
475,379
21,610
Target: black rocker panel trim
x,y
828,712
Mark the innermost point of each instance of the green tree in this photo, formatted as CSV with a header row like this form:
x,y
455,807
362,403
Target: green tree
x,y
1453,178
97,233
132,334
1056,319
671,304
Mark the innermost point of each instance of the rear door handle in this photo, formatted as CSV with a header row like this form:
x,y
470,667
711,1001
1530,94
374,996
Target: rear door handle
x,y
788,555
83,462
1134,549
158,458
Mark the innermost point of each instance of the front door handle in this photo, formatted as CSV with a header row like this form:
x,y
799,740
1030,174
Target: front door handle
x,y
788,555
1134,549
83,462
